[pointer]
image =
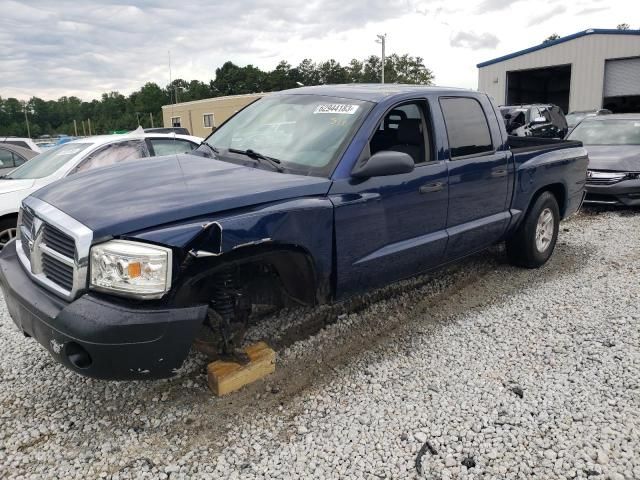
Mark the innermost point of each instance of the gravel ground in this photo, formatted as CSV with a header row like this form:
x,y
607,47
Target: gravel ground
x,y
479,371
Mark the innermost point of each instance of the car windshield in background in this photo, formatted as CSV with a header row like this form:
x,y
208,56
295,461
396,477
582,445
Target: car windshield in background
x,y
305,132
607,132
48,162
575,118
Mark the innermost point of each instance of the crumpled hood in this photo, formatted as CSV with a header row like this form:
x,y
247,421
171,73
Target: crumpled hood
x,y
8,185
617,158
146,193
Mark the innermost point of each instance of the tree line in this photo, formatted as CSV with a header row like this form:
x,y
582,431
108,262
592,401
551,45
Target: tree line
x,y
114,111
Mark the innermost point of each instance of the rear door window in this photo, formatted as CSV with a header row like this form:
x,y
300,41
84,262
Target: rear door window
x,y
467,127
114,153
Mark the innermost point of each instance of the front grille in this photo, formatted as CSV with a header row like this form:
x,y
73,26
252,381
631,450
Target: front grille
x,y
602,199
58,272
25,248
27,219
596,177
603,181
58,241
54,248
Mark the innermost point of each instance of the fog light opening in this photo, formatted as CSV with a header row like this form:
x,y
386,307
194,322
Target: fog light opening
x,y
77,355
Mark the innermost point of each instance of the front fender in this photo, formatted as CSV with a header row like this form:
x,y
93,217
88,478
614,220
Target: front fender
x,y
303,223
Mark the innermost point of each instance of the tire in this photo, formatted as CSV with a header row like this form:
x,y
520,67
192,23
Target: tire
x,y
533,242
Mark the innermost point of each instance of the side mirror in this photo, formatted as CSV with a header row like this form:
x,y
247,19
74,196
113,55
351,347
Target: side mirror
x,y
539,120
385,163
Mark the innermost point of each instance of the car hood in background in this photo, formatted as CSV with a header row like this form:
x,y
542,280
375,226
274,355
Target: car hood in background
x,y
151,192
617,158
8,185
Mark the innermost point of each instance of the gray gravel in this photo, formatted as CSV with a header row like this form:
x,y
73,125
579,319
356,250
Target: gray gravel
x,y
481,371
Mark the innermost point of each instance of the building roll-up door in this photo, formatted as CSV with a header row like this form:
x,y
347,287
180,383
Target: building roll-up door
x,y
622,77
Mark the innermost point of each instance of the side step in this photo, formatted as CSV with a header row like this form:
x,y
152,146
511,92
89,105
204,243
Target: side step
x,y
225,377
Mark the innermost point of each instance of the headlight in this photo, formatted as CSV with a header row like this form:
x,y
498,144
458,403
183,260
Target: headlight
x,y
131,269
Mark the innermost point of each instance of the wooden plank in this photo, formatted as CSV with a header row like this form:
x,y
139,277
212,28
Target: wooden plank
x,y
226,377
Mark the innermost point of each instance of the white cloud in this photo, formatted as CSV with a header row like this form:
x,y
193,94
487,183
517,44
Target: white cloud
x,y
64,47
474,41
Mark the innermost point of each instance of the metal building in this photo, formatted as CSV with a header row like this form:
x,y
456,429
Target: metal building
x,y
200,116
588,70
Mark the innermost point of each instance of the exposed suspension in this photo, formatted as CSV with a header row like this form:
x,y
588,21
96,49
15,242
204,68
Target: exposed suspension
x,y
226,316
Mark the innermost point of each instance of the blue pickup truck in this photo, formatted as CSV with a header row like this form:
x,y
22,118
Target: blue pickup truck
x,y
308,196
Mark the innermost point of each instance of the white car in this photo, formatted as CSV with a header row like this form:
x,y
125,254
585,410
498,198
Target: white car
x,y
21,142
79,156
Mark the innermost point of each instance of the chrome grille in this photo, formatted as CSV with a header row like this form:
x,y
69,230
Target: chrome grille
x,y
53,248
57,271
595,177
58,241
27,219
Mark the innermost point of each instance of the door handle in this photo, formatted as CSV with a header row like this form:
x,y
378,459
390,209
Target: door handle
x,y
502,172
431,187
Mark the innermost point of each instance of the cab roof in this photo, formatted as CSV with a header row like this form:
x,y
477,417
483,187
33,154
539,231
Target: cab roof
x,y
370,92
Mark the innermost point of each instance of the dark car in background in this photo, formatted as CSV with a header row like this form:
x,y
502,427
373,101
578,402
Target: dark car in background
x,y
574,118
536,120
12,156
613,143
176,130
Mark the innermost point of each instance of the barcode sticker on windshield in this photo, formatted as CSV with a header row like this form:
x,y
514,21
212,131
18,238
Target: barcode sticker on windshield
x,y
336,108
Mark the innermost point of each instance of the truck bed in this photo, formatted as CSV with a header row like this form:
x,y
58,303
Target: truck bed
x,y
536,144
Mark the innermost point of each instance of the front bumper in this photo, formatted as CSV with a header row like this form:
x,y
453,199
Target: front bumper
x,y
626,192
97,337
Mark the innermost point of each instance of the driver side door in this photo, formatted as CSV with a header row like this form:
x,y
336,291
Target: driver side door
x,y
392,227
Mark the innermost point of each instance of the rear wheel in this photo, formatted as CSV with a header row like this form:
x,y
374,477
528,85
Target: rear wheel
x,y
7,231
534,241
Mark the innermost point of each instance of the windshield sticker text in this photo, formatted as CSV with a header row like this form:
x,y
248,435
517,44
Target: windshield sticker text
x,y
334,108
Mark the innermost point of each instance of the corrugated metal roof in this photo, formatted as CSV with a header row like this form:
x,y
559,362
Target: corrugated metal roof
x,y
591,31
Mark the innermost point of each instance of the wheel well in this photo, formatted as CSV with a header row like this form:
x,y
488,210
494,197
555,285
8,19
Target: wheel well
x,y
293,268
557,190
9,216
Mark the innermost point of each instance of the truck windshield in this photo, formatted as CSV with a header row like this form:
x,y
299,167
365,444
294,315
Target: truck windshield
x,y
47,162
306,133
607,132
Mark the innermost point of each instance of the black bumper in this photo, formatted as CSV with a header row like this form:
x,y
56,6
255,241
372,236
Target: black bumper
x,y
626,193
95,337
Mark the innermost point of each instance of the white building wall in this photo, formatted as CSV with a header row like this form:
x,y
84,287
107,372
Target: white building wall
x,y
586,55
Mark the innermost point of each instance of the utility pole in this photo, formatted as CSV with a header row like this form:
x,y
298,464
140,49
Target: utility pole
x,y
84,132
138,117
151,118
26,119
382,39
89,125
75,127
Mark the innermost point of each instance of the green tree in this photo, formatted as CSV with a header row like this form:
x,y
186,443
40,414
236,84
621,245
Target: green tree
x,y
551,38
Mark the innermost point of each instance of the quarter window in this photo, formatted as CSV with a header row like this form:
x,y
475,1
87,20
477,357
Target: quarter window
x,y
467,126
207,120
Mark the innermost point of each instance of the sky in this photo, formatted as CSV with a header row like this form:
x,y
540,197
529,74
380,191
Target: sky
x,y
54,48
